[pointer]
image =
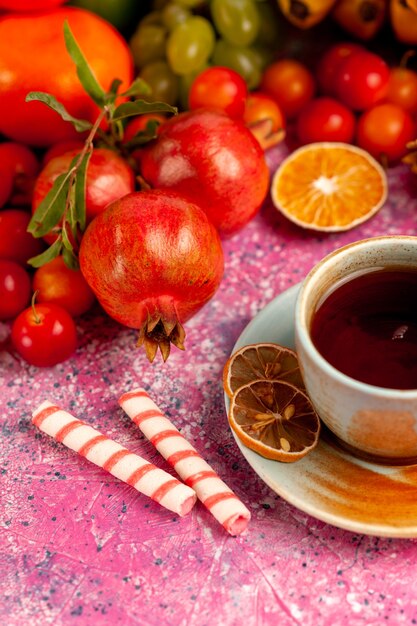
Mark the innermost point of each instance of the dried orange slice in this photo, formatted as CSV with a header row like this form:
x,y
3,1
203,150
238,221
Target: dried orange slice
x,y
261,360
275,419
329,186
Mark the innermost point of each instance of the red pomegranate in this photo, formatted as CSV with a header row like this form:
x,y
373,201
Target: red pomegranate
x,y
153,260
109,177
214,161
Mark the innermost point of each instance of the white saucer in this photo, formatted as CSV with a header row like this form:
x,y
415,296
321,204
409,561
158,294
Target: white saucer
x,y
329,483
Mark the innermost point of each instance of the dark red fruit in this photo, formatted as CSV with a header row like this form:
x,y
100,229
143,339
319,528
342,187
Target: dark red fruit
x,y
329,65
44,334
362,80
25,167
16,244
109,177
325,119
214,161
15,289
153,260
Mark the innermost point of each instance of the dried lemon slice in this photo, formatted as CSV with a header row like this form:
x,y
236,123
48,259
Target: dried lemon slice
x,y
275,419
261,360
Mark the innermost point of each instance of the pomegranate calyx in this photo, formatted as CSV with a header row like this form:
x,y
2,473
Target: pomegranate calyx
x,y
157,333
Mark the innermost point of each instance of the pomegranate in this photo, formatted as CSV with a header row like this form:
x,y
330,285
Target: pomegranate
x,y
214,161
109,177
153,260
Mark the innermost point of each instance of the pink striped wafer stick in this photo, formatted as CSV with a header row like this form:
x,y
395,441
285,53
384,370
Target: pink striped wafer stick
x,y
114,458
187,462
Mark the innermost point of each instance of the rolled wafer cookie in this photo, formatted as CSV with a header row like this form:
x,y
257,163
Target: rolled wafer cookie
x,y
114,458
220,500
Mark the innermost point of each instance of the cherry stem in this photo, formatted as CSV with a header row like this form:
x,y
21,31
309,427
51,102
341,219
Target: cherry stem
x,y
405,58
35,313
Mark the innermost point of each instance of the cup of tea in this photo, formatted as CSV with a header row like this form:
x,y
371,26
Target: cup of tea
x,y
356,339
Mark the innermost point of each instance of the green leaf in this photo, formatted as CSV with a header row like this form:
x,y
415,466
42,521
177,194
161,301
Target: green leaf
x,y
138,107
51,209
84,71
138,88
48,255
143,136
52,102
79,208
70,259
65,240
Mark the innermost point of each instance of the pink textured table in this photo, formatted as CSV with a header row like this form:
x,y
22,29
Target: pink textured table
x,y
80,547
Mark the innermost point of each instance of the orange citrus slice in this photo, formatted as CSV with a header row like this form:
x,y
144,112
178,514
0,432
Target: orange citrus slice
x,y
261,360
329,186
275,419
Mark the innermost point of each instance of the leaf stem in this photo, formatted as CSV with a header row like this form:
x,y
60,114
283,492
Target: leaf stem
x,y
88,145
88,148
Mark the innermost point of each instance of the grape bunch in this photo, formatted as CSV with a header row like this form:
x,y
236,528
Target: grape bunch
x,y
178,39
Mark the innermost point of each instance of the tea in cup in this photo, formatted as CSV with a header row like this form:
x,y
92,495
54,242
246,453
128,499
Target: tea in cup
x,y
356,339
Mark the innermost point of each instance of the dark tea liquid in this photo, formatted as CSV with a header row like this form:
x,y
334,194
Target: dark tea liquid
x,y
367,328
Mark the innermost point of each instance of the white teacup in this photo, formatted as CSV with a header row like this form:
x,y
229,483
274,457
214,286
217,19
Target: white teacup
x,y
377,423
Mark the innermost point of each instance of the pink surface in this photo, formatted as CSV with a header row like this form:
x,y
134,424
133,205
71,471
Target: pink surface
x,y
77,546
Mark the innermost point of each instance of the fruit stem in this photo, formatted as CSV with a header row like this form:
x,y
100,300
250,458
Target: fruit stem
x,y
88,144
405,58
88,148
35,313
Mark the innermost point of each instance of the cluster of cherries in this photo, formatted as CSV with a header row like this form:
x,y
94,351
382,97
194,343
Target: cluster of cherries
x,y
41,304
352,97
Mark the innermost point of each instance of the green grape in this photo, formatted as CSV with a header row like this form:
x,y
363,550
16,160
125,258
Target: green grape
x,y
269,33
245,61
174,14
154,17
148,44
185,84
236,20
163,82
190,44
